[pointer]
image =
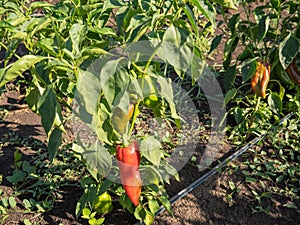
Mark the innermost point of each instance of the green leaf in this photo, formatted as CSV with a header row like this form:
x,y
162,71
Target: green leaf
x,y
105,185
27,222
12,202
146,216
149,218
100,221
238,115
88,85
229,95
215,42
101,124
5,24
47,44
39,24
166,203
176,48
150,148
83,200
37,5
27,204
233,23
4,202
275,103
206,8
275,3
126,203
54,142
97,158
230,46
199,68
263,27
90,51
119,120
29,169
166,91
248,69
153,205
86,213
229,77
112,80
77,34
190,15
150,175
33,96
247,53
250,179
288,49
139,212
226,4
47,108
17,176
19,67
17,156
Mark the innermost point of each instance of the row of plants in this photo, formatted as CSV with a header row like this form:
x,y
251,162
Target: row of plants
x,y
269,38
109,61
266,91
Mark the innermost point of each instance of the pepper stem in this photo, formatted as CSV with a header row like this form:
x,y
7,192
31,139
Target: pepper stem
x,y
135,114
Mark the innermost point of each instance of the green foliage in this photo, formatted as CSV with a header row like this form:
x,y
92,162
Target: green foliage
x,y
39,180
262,39
270,37
273,166
70,60
64,43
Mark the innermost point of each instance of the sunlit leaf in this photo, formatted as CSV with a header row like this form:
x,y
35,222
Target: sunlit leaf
x,y
288,49
19,67
150,148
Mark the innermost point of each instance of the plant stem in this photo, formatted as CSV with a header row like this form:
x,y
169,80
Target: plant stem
x,y
257,103
135,114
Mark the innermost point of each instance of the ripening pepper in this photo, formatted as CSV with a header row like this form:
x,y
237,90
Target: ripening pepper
x,y
128,162
260,79
130,111
293,72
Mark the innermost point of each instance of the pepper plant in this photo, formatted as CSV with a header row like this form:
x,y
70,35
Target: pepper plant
x,y
74,63
267,37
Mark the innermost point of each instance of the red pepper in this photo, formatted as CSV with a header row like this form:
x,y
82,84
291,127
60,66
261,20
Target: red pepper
x,y
260,79
128,162
265,80
293,72
255,79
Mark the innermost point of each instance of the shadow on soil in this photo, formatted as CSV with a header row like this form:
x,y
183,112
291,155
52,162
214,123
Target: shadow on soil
x,y
21,130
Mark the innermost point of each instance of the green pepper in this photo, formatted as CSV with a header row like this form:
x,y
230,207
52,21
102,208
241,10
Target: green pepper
x,y
151,100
